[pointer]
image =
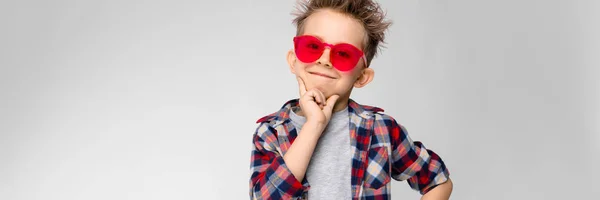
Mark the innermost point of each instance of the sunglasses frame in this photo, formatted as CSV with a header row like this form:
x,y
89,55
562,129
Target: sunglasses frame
x,y
331,46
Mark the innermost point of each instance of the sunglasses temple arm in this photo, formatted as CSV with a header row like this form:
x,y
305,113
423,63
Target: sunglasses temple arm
x,y
365,61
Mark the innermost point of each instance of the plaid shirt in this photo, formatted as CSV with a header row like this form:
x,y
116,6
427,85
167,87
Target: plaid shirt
x,y
381,150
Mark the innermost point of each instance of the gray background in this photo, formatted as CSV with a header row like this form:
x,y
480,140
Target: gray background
x,y
157,99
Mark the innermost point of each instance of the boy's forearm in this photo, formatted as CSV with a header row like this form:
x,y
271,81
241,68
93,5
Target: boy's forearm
x,y
441,192
298,155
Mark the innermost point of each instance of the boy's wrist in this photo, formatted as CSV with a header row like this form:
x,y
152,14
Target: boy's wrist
x,y
314,125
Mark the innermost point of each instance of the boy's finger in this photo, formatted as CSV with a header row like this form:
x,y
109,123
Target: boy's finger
x,y
318,98
323,101
311,95
301,86
331,101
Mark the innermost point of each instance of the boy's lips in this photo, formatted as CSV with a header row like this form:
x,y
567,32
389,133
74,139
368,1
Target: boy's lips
x,y
320,74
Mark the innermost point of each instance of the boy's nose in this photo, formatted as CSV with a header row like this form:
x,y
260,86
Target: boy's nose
x,y
324,59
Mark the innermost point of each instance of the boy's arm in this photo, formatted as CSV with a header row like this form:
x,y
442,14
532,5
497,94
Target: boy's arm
x,y
271,177
317,110
277,177
411,161
299,154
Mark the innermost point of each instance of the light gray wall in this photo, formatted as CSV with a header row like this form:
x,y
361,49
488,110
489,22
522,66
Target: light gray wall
x,y
157,99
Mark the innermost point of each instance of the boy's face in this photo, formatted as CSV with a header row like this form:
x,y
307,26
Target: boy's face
x,y
333,28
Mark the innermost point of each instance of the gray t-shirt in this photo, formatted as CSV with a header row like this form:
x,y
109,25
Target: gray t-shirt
x,y
329,171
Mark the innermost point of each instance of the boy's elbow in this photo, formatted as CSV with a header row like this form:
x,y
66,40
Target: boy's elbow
x,y
441,191
446,187
450,186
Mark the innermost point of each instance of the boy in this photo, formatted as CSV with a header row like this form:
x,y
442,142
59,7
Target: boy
x,y
324,145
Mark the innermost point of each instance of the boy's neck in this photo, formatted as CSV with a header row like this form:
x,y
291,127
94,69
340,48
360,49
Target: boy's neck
x,y
340,105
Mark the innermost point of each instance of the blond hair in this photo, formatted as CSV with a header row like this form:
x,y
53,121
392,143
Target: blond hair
x,y
368,12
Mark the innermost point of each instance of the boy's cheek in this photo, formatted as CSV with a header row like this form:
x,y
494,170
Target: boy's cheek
x,y
299,68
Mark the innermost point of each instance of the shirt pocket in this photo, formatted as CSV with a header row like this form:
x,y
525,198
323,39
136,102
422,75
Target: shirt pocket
x,y
378,169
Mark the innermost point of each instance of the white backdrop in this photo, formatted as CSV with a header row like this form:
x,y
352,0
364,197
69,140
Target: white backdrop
x,y
157,99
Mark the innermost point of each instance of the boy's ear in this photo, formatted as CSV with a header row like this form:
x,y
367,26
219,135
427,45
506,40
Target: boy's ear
x,y
291,59
366,76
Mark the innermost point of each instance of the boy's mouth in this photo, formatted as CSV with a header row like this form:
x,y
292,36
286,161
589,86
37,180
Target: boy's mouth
x,y
323,75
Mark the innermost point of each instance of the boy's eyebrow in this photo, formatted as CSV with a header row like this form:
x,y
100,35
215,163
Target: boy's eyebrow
x,y
317,36
359,45
321,38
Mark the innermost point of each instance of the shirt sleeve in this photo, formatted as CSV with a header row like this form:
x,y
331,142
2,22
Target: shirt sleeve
x,y
271,178
411,161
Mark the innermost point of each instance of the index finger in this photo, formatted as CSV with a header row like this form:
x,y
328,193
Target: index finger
x,y
301,86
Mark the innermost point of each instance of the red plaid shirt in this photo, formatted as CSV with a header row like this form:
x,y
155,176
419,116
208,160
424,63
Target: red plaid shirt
x,y
382,150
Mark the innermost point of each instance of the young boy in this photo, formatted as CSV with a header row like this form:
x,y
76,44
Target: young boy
x,y
324,145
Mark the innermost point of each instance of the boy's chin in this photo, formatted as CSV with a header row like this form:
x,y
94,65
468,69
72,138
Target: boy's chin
x,y
328,92
325,91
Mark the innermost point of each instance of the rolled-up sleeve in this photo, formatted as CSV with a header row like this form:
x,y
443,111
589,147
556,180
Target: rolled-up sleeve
x,y
411,161
270,176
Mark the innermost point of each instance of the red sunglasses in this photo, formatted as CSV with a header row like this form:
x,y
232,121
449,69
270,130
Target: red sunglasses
x,y
343,56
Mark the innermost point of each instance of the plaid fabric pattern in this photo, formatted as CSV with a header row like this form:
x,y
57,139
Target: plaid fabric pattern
x,y
382,150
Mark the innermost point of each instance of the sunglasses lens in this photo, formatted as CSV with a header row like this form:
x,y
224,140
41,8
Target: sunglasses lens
x,y
308,49
344,57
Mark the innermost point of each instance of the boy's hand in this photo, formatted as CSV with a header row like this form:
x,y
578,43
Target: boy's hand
x,y
314,106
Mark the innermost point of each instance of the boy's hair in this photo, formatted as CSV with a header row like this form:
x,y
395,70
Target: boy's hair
x,y
368,12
